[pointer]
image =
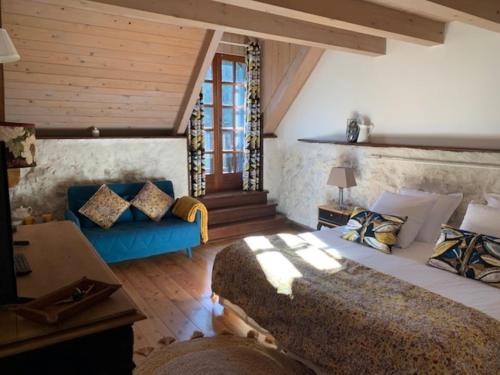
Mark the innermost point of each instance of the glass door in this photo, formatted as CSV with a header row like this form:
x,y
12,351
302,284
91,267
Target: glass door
x,y
224,122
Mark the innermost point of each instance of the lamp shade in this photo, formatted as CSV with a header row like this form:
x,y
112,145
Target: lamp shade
x,y
342,177
8,52
20,141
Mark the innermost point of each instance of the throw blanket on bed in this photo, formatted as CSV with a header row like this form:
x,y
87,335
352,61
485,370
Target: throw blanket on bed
x,y
187,207
351,319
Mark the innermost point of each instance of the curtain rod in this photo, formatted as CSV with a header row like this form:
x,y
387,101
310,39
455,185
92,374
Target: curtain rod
x,y
449,163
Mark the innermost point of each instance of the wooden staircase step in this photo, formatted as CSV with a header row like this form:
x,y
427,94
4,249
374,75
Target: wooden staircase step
x,y
239,213
245,227
234,198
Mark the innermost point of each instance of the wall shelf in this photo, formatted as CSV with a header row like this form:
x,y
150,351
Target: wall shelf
x,y
333,141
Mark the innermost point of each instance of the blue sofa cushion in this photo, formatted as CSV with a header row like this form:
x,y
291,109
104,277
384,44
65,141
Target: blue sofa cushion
x,y
141,239
79,195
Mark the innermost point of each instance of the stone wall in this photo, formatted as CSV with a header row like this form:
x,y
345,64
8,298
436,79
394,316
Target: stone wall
x,y
305,168
63,163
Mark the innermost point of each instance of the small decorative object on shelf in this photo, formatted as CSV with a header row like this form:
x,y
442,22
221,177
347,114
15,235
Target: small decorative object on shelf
x,y
95,132
352,131
341,177
332,216
364,132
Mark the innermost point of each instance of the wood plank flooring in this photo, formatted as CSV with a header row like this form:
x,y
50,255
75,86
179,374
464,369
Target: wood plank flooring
x,y
175,294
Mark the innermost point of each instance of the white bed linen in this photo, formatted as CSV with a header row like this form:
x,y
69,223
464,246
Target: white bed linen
x,y
409,265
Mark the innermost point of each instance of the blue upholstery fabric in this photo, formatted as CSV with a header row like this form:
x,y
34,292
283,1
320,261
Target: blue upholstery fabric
x,y
133,236
69,215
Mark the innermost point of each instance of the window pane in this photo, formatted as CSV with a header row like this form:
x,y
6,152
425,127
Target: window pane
x,y
227,163
209,141
240,140
227,95
227,118
227,71
240,72
209,163
208,117
208,93
240,158
227,141
240,118
240,95
209,75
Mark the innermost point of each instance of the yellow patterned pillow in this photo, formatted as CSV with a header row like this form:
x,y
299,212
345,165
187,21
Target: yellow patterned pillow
x,y
152,201
104,207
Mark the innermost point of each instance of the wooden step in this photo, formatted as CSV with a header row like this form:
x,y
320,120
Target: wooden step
x,y
234,198
245,227
240,213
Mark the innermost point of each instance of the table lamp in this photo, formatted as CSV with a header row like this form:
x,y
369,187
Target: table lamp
x,y
342,178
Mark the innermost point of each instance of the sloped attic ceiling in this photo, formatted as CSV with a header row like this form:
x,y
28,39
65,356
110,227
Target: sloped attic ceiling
x,y
81,68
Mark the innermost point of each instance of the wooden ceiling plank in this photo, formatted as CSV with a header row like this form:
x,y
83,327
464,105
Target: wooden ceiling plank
x,y
69,11
296,76
354,15
205,57
480,13
218,16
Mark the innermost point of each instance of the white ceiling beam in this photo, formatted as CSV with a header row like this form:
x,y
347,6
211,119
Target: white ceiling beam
x,y
228,18
354,15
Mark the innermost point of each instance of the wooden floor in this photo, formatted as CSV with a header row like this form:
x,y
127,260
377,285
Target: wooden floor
x,y
174,292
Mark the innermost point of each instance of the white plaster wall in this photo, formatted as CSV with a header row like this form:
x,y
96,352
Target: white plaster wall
x,y
63,163
447,94
272,168
443,95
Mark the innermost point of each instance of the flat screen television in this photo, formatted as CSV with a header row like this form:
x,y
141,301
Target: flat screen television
x,y
8,287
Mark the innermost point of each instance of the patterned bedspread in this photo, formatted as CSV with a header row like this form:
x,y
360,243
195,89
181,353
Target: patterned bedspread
x,y
351,319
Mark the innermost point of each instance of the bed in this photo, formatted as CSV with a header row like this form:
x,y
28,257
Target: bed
x,y
348,308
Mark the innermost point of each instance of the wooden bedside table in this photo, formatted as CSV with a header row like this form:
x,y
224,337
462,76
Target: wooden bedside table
x,y
332,216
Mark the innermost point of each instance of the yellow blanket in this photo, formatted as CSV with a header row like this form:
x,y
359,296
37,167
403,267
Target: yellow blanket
x,y
186,208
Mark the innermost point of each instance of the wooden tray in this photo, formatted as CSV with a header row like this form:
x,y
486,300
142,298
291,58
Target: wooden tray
x,y
52,308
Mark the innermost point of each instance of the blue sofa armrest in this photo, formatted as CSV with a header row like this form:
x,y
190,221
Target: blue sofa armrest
x,y
70,215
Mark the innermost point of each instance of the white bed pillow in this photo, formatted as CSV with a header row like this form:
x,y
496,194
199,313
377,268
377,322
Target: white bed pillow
x,y
493,200
482,219
445,206
416,209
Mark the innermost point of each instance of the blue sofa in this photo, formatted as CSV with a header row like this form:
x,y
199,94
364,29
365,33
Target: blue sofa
x,y
134,235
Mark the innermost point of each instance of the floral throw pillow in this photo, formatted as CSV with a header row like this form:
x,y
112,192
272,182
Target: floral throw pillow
x,y
483,260
476,256
373,229
451,248
104,207
152,201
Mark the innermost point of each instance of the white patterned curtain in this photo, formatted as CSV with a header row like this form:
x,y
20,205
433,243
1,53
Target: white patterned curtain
x,y
251,172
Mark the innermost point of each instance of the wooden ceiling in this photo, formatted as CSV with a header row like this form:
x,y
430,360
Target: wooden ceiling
x,y
135,64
